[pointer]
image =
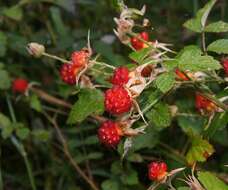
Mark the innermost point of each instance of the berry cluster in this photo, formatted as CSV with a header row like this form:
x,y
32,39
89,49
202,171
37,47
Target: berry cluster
x,y
137,42
69,71
109,133
204,105
157,171
20,85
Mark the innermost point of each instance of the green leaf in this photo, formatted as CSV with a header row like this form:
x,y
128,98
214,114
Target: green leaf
x,y
211,182
22,133
110,185
217,27
90,101
7,131
41,134
4,80
3,40
139,56
219,46
14,12
130,177
165,82
183,188
147,140
160,116
190,58
35,103
197,24
200,150
191,124
4,121
6,127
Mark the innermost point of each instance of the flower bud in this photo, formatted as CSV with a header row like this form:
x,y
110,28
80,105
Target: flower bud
x,y
35,49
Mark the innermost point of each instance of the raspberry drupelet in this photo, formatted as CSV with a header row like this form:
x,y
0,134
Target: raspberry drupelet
x,y
139,44
117,100
20,85
68,73
120,76
157,171
109,134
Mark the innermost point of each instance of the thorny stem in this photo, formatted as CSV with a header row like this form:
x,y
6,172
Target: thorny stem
x,y
68,154
55,57
20,146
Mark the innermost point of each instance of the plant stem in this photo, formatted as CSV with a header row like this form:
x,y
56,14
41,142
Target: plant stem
x,y
104,64
55,57
204,43
68,155
53,100
20,146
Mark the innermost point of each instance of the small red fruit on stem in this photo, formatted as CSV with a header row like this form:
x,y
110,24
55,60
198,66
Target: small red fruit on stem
x,y
80,58
20,85
202,103
120,76
117,100
139,44
68,73
157,171
109,134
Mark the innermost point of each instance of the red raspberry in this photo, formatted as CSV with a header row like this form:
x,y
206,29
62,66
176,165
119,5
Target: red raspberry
x,y
157,170
68,73
109,133
121,76
138,44
225,65
181,75
117,100
80,58
20,85
204,104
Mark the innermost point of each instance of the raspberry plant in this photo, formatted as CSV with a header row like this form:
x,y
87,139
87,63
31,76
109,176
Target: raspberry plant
x,y
163,111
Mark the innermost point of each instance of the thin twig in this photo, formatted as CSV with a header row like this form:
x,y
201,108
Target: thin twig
x,y
56,101
55,57
68,155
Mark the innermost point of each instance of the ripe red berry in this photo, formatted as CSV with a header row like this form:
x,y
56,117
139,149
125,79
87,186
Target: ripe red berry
x,y
157,170
68,73
204,104
181,75
80,58
139,44
109,133
20,85
117,100
121,76
225,65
